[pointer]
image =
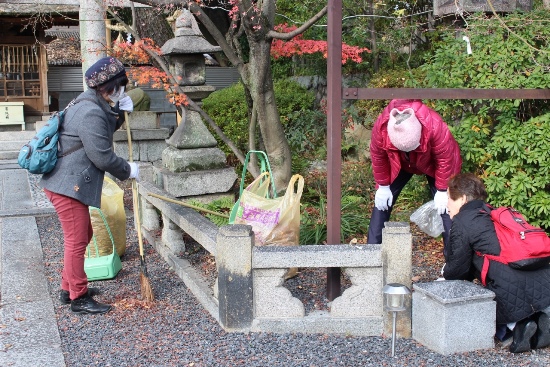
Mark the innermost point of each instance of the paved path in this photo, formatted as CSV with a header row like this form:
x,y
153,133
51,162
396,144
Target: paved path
x,y
28,328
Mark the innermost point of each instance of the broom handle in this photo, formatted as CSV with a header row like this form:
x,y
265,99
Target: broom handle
x,y
134,187
188,205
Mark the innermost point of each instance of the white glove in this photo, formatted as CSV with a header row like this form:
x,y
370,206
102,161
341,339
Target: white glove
x,y
440,201
383,198
134,170
126,104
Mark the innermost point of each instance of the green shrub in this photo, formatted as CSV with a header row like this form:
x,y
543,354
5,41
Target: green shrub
x,y
228,109
504,141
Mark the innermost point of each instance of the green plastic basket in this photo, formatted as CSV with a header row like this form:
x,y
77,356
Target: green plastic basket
x,y
102,267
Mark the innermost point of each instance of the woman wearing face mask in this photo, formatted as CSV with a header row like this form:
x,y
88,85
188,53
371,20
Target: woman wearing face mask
x,y
85,145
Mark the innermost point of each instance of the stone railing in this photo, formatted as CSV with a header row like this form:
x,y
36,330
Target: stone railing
x,y
250,294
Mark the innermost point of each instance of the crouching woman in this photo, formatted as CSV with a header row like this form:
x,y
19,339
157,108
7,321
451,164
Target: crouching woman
x,y
521,296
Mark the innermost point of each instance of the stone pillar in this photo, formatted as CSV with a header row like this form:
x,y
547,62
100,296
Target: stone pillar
x,y
397,263
235,291
172,236
150,217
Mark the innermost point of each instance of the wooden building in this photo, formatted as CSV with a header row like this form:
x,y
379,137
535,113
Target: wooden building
x,y
23,59
40,61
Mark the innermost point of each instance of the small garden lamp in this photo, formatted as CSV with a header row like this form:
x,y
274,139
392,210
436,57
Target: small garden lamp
x,y
395,301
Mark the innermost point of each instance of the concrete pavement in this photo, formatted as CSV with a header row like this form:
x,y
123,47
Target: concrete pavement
x,y
29,335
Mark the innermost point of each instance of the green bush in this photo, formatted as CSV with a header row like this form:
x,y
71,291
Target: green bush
x,y
228,109
504,141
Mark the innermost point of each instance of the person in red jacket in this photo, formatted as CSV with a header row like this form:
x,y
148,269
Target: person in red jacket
x,y
409,138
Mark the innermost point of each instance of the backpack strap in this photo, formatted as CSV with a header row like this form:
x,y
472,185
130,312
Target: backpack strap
x,y
79,145
485,268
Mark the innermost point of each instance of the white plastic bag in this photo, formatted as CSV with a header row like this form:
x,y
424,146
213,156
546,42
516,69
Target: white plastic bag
x,y
428,219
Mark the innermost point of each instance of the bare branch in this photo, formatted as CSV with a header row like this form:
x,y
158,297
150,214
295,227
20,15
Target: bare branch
x,y
301,29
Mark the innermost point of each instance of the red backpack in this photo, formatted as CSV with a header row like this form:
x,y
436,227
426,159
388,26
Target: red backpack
x,y
522,246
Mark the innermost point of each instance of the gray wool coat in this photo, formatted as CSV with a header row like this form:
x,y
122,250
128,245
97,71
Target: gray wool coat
x,y
80,174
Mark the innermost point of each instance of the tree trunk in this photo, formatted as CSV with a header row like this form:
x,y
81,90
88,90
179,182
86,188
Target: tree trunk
x,y
150,23
260,84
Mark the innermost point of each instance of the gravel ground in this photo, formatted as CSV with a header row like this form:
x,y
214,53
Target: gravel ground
x,y
177,331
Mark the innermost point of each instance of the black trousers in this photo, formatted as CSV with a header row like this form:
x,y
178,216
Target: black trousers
x,y
379,217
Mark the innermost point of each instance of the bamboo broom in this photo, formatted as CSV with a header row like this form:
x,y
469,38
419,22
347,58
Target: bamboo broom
x,y
146,290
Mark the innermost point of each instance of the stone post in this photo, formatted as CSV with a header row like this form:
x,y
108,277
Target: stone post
x,y
397,263
235,291
150,217
172,236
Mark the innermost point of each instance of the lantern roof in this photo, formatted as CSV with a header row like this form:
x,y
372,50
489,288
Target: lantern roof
x,y
189,39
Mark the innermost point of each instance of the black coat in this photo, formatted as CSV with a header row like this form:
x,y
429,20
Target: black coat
x,y
519,293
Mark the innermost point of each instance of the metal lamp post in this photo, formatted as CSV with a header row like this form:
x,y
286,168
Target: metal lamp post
x,y
395,302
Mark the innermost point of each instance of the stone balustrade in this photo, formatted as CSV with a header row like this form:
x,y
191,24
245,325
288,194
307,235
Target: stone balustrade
x,y
250,294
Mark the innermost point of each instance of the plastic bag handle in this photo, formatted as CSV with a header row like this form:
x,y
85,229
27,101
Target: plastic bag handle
x,y
264,163
108,231
292,184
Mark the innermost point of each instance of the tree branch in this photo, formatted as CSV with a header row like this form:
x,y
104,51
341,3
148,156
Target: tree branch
x,y
214,31
191,104
301,29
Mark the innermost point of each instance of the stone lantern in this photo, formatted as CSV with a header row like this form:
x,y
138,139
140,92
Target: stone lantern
x,y
193,167
186,51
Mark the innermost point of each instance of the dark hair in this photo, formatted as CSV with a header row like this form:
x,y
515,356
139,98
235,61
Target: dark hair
x,y
112,84
467,184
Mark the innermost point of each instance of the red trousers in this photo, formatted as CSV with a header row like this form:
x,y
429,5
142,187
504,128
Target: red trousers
x,y
77,233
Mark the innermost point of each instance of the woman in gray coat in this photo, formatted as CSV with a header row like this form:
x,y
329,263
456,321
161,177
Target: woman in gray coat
x,y
76,182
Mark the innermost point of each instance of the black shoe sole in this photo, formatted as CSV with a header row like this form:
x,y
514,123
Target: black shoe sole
x,y
82,312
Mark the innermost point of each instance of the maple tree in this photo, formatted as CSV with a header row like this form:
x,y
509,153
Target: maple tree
x,y
247,43
300,46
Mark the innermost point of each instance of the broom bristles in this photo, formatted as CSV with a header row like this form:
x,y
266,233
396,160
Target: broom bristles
x,y
146,290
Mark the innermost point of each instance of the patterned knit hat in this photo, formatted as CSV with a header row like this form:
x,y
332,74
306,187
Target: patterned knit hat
x,y
103,70
404,129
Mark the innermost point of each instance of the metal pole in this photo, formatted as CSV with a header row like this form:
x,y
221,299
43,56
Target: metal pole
x,y
334,138
393,334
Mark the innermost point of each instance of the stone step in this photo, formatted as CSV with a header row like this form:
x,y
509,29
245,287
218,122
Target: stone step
x,y
12,145
17,135
9,154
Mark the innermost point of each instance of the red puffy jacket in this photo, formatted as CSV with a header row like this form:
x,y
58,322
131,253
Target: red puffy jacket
x,y
438,154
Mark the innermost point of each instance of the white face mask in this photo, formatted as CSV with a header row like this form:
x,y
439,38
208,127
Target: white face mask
x,y
117,95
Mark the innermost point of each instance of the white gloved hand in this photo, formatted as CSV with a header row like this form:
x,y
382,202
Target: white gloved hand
x,y
126,104
440,201
383,198
134,170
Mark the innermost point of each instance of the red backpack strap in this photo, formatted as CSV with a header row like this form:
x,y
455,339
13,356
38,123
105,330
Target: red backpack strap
x,y
484,270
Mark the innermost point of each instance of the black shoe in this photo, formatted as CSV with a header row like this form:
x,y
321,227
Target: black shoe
x,y
86,304
541,338
523,332
65,299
